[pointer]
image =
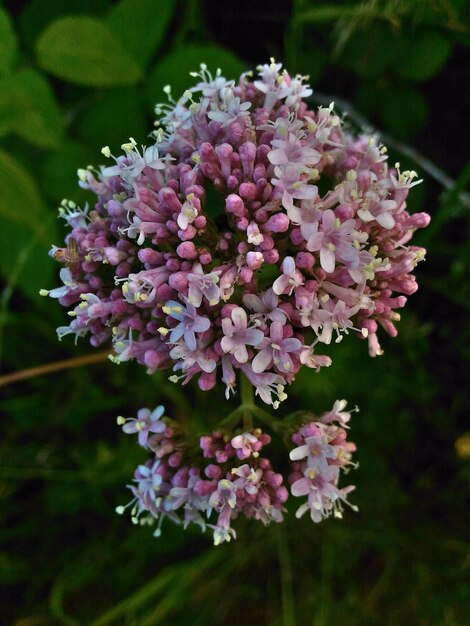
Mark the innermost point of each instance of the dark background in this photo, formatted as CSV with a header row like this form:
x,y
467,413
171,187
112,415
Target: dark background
x,y
65,557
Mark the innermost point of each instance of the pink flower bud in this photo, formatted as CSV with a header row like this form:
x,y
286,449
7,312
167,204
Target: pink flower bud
x,y
296,237
254,260
188,233
169,199
206,151
344,212
248,191
271,256
213,472
246,275
304,260
178,281
200,222
235,133
149,256
186,250
173,265
234,204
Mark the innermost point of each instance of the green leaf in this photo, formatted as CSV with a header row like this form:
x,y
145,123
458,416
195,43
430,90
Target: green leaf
x,y
372,54
27,230
37,14
426,54
117,114
175,67
325,13
31,109
8,42
404,111
24,259
59,173
19,196
141,25
83,50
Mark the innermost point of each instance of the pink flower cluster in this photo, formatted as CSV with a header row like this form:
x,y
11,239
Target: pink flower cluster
x,y
322,451
236,480
252,231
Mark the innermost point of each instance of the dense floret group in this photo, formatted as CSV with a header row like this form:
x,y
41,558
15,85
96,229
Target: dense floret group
x,y
252,231
227,476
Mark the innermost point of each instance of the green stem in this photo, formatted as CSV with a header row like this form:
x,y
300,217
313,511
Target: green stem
x,y
246,390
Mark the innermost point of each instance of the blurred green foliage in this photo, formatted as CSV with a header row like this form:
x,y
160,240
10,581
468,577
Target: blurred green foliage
x,y
77,75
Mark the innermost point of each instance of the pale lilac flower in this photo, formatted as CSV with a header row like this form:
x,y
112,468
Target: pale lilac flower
x,y
334,240
265,306
131,165
203,286
324,498
224,501
316,450
187,357
254,235
375,208
267,386
231,109
69,284
290,278
337,414
149,481
291,150
145,423
190,322
246,444
276,350
248,478
210,86
291,184
187,214
237,335
271,83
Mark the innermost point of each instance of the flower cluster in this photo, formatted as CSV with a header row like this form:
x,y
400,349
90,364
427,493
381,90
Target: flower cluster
x,y
251,231
228,476
322,451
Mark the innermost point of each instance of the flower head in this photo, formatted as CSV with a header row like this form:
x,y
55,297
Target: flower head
x,y
251,213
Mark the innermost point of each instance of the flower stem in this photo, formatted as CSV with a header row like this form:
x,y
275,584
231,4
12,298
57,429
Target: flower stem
x,y
56,366
248,402
246,390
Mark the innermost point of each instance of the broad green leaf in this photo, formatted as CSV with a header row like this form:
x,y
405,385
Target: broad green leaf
x,y
426,54
20,199
115,116
83,50
8,42
31,108
59,172
404,111
7,121
27,229
37,14
141,25
174,69
325,13
371,54
24,259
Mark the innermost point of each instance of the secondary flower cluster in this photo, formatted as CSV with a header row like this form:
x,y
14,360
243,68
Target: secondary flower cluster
x,y
235,480
251,231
